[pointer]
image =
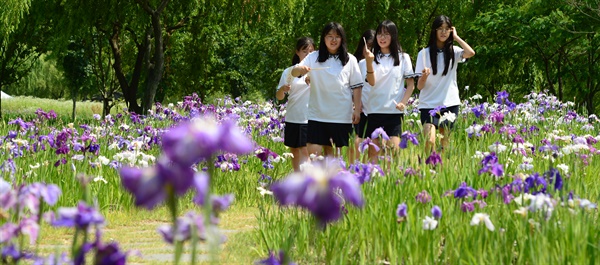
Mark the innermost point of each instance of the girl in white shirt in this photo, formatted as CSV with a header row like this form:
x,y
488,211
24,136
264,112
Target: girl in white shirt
x,y
439,92
387,97
296,121
335,92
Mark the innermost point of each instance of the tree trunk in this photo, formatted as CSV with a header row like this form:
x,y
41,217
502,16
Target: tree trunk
x,y
74,98
129,88
157,66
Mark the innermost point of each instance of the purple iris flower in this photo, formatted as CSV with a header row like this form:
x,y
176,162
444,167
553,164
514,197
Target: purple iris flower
x,y
80,217
554,176
221,203
490,164
535,184
501,96
467,207
280,259
379,132
479,110
436,110
264,153
423,197
364,145
198,140
436,212
401,212
185,224
407,136
109,254
497,117
317,189
364,172
463,191
433,159
149,186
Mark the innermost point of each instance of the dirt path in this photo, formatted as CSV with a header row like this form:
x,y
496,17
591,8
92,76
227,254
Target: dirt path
x,y
137,231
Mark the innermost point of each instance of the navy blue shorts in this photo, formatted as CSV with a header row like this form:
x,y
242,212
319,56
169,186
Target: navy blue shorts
x,y
295,134
359,129
328,133
435,120
391,123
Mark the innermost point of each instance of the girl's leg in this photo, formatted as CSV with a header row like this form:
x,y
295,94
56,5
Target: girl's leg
x,y
303,155
314,149
429,133
329,151
446,139
353,153
374,154
296,158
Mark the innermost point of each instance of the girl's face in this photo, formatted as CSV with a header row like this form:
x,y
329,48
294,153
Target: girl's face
x,y
384,39
333,40
443,33
305,51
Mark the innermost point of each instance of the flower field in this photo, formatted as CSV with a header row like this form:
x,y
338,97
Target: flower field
x,y
517,185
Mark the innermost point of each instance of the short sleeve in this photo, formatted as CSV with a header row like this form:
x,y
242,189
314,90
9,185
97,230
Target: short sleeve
x,y
407,66
362,65
310,59
458,54
286,78
356,78
422,62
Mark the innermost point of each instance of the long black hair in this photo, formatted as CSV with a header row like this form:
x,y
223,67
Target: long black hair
x,y
301,44
368,35
448,48
395,47
342,51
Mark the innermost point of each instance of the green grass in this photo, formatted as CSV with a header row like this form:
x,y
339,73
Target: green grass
x,y
25,107
370,235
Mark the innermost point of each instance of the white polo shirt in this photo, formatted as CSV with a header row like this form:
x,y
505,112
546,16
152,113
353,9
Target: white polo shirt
x,y
297,104
364,95
331,88
389,84
439,90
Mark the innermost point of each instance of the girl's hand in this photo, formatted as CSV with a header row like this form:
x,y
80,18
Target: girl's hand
x,y
454,34
285,88
307,80
302,69
367,53
400,106
426,71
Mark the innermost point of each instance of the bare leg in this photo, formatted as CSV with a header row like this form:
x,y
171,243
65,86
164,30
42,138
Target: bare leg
x,y
314,149
300,156
374,154
446,140
429,133
353,152
329,151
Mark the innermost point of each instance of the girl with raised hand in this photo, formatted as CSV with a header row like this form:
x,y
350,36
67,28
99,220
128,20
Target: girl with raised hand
x,y
439,99
363,49
335,92
296,121
387,97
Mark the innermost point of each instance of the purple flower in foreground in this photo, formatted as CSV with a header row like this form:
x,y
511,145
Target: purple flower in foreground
x,y
554,176
281,259
80,217
407,136
379,132
364,145
436,212
401,212
436,110
198,140
317,189
150,186
185,225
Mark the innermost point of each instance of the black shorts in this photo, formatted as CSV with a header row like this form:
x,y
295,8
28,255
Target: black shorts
x,y
326,133
359,129
391,123
295,134
435,120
